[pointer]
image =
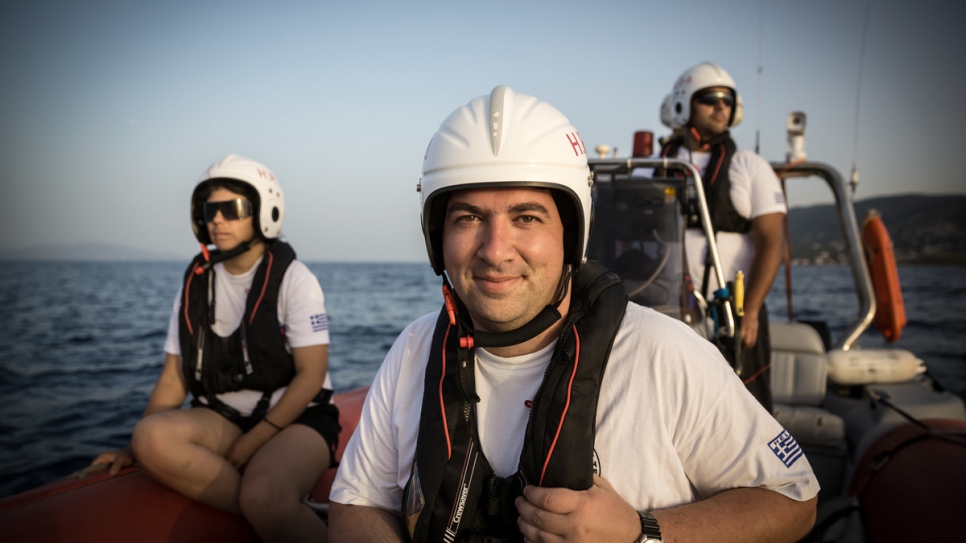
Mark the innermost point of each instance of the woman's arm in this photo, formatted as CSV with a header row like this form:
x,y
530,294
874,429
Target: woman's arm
x,y
311,365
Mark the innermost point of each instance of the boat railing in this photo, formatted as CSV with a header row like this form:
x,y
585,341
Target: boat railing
x,y
851,235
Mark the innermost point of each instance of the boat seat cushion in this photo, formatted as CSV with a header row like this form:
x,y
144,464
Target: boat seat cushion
x,y
799,364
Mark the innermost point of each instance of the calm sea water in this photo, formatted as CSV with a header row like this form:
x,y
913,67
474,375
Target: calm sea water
x,y
81,343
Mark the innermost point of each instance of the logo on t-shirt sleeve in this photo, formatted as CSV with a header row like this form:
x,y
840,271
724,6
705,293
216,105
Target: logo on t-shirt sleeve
x,y
779,198
786,448
319,322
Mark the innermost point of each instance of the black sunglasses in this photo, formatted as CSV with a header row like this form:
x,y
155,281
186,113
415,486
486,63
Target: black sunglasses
x,y
231,210
711,98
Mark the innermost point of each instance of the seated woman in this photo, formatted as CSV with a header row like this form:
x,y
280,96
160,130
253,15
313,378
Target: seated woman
x,y
248,339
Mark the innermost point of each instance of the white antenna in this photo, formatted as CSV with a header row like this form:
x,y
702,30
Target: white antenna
x,y
854,180
761,39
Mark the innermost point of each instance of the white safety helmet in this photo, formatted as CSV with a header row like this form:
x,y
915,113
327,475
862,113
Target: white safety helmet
x,y
505,139
262,189
694,79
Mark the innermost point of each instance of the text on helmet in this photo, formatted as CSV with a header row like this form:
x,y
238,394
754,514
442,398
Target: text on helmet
x,y
577,144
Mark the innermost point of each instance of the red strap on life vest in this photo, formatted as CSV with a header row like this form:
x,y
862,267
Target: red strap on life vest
x,y
268,272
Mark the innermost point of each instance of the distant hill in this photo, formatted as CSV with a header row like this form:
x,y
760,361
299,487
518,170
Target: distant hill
x,y
924,229
90,252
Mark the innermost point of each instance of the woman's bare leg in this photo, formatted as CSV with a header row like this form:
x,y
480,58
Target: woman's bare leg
x,y
280,474
184,449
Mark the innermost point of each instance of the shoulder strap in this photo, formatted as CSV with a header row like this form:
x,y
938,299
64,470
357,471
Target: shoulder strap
x,y
559,446
267,363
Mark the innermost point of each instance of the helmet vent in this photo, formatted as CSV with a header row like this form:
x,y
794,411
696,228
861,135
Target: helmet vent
x,y
497,98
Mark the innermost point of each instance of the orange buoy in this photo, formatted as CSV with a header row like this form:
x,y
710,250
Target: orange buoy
x,y
890,312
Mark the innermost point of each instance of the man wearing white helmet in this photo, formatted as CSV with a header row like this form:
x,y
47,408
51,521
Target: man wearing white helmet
x,y
538,403
746,204
248,339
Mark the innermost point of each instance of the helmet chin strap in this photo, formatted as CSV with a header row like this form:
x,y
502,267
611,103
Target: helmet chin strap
x,y
227,255
705,145
537,325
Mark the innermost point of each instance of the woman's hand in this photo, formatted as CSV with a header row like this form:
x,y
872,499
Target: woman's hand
x,y
115,459
247,444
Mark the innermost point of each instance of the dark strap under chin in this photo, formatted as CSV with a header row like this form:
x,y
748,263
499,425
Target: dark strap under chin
x,y
539,324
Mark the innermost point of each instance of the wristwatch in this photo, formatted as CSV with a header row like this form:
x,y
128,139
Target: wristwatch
x,y
650,530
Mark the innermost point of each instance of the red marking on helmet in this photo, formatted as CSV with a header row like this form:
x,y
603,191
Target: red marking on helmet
x,y
528,404
265,174
577,144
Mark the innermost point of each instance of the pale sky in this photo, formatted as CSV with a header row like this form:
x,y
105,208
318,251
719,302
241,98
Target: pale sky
x,y
110,111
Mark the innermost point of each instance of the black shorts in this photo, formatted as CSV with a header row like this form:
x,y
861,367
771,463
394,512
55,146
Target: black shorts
x,y
323,418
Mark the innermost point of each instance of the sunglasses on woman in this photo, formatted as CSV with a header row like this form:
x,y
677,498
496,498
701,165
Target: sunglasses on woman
x,y
231,210
712,98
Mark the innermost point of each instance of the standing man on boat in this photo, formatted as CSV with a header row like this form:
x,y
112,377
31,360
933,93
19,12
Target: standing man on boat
x,y
248,338
746,204
538,403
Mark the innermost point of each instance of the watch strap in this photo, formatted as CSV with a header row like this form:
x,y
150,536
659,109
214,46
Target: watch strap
x,y
650,529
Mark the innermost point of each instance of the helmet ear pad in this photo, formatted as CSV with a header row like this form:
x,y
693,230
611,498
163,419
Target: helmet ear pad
x,y
436,208
567,210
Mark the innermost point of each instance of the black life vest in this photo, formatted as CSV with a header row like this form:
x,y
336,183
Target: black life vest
x,y
254,357
453,492
717,185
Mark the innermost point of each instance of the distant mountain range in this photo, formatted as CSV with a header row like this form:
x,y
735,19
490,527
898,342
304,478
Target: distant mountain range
x,y
924,229
96,252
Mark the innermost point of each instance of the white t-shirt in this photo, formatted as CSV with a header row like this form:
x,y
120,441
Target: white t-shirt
x,y
674,423
301,313
755,191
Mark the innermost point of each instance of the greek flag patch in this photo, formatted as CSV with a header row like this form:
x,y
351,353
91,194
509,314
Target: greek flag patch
x,y
319,322
779,198
786,448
